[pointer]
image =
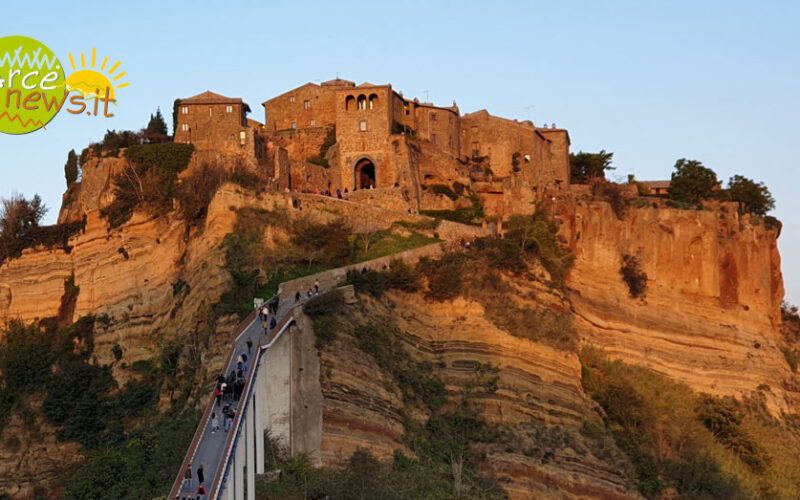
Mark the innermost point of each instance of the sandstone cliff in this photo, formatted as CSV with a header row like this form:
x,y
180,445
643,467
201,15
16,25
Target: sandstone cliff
x,y
538,399
711,316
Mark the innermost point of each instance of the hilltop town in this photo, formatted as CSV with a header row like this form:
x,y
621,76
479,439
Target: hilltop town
x,y
339,137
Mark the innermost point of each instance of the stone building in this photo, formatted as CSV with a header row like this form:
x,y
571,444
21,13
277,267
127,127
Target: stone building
x,y
219,128
341,136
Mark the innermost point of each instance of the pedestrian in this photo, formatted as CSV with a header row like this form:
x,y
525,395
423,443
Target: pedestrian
x,y
309,293
316,286
218,393
225,391
272,323
214,423
187,477
240,359
249,344
244,357
200,477
297,296
339,193
226,413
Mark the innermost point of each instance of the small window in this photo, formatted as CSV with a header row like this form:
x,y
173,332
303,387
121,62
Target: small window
x,y
229,109
291,98
209,111
362,126
406,108
306,104
184,110
433,117
242,137
527,158
433,138
185,127
294,124
313,122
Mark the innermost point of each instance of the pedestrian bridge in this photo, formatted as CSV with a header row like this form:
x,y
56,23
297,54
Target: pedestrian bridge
x,y
274,385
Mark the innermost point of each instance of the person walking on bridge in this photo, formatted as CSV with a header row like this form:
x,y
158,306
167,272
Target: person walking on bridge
x,y
200,477
187,478
249,345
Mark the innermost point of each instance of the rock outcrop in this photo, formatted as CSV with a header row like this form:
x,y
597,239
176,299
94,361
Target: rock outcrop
x,y
711,315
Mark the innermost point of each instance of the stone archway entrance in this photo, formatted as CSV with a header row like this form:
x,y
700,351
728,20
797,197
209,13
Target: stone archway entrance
x,y
365,174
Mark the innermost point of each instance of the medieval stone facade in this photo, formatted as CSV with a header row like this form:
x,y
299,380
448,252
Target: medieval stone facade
x,y
341,136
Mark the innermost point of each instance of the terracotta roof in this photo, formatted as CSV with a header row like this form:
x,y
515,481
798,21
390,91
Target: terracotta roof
x,y
656,184
338,82
209,97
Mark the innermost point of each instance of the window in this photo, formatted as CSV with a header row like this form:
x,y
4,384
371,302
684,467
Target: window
x,y
349,102
185,127
294,124
527,158
184,110
209,111
313,122
362,126
373,101
406,109
476,150
242,137
433,138
306,104
229,109
362,102
291,98
433,117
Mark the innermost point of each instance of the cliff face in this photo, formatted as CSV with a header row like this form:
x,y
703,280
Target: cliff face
x,y
711,316
538,400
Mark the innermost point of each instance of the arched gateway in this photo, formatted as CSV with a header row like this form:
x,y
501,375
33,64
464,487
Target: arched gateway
x,y
365,174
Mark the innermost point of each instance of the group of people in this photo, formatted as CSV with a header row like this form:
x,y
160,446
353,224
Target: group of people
x,y
268,314
187,481
310,293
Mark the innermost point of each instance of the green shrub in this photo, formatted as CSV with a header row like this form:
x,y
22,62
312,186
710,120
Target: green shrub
x,y
322,310
473,214
445,276
415,379
149,180
634,276
442,189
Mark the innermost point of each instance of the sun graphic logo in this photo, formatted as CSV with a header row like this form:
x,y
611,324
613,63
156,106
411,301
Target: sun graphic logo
x,y
92,85
33,88
31,85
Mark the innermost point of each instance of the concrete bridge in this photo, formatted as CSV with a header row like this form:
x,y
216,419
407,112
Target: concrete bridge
x,y
272,390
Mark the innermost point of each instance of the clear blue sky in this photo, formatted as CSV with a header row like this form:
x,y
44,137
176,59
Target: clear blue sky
x,y
716,81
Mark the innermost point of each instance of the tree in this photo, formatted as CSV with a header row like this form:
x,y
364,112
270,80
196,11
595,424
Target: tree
x,y
753,197
175,105
587,166
19,218
71,167
156,126
691,181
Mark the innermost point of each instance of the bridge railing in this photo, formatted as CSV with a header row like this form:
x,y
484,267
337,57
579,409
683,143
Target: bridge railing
x,y
201,427
233,437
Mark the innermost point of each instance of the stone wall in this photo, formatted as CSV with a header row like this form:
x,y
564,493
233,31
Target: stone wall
x,y
307,106
333,277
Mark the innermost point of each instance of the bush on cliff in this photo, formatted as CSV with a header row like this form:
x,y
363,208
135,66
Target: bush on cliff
x,y
753,197
20,229
148,180
634,277
702,446
584,167
692,182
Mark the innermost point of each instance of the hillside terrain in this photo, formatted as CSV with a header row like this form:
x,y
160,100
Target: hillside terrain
x,y
589,353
